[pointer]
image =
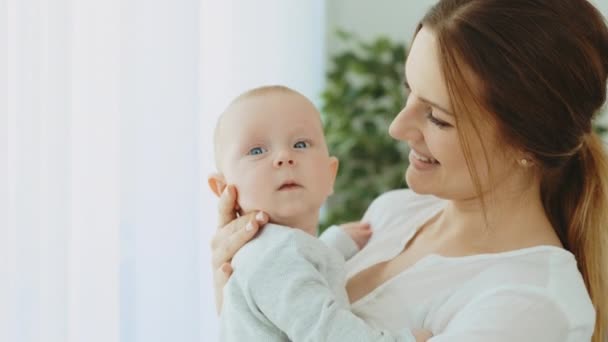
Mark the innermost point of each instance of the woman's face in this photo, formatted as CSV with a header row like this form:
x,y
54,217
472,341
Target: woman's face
x,y
427,124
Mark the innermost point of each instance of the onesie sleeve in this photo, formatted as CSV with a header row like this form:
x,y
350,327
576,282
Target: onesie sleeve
x,y
335,237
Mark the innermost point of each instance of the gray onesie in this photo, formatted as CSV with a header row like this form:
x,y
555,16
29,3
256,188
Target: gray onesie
x,y
290,286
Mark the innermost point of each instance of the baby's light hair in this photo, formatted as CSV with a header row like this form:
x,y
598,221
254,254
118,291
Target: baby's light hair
x,y
264,90
251,93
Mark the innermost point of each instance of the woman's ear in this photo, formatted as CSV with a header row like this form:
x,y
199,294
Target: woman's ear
x,y
217,183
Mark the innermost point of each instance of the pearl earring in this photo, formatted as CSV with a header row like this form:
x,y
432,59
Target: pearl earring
x,y
524,162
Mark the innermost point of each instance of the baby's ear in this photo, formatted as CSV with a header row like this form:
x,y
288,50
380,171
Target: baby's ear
x,y
333,168
217,183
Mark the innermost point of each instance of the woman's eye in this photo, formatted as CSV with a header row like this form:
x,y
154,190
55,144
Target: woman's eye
x,y
437,122
301,144
256,151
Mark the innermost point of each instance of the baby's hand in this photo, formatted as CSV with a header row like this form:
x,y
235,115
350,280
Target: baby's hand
x,y
422,335
359,231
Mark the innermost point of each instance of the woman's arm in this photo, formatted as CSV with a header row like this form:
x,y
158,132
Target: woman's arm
x,y
234,231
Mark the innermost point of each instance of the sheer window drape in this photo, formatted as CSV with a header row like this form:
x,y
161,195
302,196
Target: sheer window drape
x,y
99,235
108,107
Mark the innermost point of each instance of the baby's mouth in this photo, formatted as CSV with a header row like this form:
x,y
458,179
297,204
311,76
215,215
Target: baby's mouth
x,y
289,185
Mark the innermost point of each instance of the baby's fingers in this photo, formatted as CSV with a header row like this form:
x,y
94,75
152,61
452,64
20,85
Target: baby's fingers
x,y
422,335
356,226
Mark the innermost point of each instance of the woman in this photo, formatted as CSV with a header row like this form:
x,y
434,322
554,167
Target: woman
x,y
502,236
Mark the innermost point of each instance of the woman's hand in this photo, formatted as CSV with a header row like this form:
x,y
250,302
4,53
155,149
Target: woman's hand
x,y
233,232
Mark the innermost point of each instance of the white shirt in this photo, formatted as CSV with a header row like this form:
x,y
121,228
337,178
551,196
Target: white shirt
x,y
532,294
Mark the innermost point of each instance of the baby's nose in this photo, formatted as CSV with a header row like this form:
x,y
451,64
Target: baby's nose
x,y
284,160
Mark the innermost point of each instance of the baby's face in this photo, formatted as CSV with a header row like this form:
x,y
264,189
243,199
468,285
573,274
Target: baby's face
x,y
274,151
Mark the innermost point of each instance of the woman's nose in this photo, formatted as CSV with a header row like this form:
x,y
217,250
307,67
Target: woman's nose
x,y
406,125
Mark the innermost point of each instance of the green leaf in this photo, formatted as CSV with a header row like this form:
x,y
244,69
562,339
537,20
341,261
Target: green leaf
x,y
363,94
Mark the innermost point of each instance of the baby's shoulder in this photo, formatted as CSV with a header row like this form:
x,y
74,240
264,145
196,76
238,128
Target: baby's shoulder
x,y
277,244
270,241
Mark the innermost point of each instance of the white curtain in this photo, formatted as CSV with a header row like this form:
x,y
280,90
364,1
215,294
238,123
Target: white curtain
x,y
107,112
99,220
60,237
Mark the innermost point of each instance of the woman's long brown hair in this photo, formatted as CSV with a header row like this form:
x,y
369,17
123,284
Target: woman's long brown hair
x,y
542,66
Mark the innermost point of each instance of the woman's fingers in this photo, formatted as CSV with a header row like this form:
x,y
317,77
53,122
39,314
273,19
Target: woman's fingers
x,y
221,278
224,245
226,269
227,206
229,239
233,232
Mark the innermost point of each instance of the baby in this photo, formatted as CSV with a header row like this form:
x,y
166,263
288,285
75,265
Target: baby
x,y
287,284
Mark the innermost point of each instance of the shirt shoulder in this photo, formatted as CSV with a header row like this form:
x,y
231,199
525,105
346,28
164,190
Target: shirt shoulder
x,y
533,294
544,278
567,287
515,313
553,271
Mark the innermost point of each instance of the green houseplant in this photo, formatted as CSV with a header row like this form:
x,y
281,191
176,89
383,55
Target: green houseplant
x,y
363,94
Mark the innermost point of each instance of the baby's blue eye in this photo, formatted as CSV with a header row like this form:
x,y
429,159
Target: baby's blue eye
x,y
301,144
256,151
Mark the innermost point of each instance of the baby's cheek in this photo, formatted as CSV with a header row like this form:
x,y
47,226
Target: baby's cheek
x,y
250,196
246,204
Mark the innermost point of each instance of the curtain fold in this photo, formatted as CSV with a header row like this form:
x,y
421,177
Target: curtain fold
x,y
99,201
107,112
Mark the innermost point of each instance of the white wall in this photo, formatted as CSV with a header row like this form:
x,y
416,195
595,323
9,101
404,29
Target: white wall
x,y
396,19
602,5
